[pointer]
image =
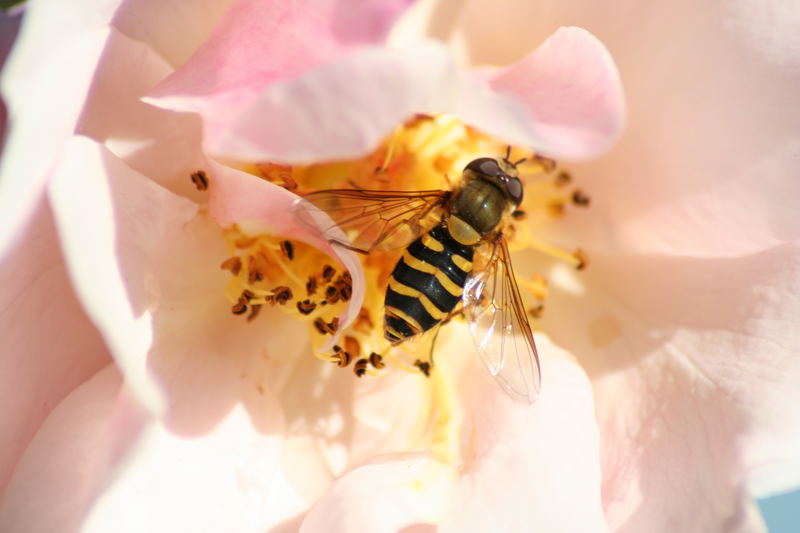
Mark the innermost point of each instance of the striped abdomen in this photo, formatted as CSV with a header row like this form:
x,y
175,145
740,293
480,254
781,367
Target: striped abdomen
x,y
426,284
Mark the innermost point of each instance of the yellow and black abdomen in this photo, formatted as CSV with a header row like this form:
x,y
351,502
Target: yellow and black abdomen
x,y
426,284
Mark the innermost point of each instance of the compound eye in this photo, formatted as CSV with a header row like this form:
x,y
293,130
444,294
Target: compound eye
x,y
514,188
485,166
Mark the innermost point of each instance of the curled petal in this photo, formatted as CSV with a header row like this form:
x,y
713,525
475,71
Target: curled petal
x,y
572,92
237,197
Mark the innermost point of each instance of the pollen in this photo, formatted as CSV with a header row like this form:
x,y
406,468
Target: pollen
x,y
267,271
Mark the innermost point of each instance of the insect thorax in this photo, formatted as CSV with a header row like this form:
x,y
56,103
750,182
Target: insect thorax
x,y
480,204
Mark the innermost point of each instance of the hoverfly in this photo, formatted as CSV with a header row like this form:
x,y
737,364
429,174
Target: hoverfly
x,y
444,232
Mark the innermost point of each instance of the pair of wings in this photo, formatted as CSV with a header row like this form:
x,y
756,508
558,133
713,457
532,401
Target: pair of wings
x,y
368,221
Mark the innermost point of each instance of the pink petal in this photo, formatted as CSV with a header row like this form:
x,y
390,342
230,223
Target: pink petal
x,y
70,458
49,345
258,43
237,197
387,496
571,89
59,45
695,372
525,466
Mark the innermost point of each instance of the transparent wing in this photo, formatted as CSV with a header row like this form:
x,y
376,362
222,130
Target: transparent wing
x,y
365,221
499,325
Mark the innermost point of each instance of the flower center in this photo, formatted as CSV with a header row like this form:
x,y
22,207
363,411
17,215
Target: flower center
x,y
425,153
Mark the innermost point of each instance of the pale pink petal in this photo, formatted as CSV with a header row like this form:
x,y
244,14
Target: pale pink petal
x,y
238,197
571,89
527,466
71,457
96,465
58,46
49,345
112,249
163,145
219,481
707,164
383,497
258,42
695,372
338,422
173,29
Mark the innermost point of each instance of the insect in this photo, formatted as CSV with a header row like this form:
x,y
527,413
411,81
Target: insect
x,y
444,233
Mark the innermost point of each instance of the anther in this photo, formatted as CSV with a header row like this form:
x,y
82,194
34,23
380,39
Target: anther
x,y
311,285
287,249
563,178
254,310
327,327
424,367
278,174
344,285
519,214
320,325
306,307
342,358
248,295
239,307
331,294
579,198
360,368
583,259
328,273
282,294
548,164
200,180
234,264
376,361
333,325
